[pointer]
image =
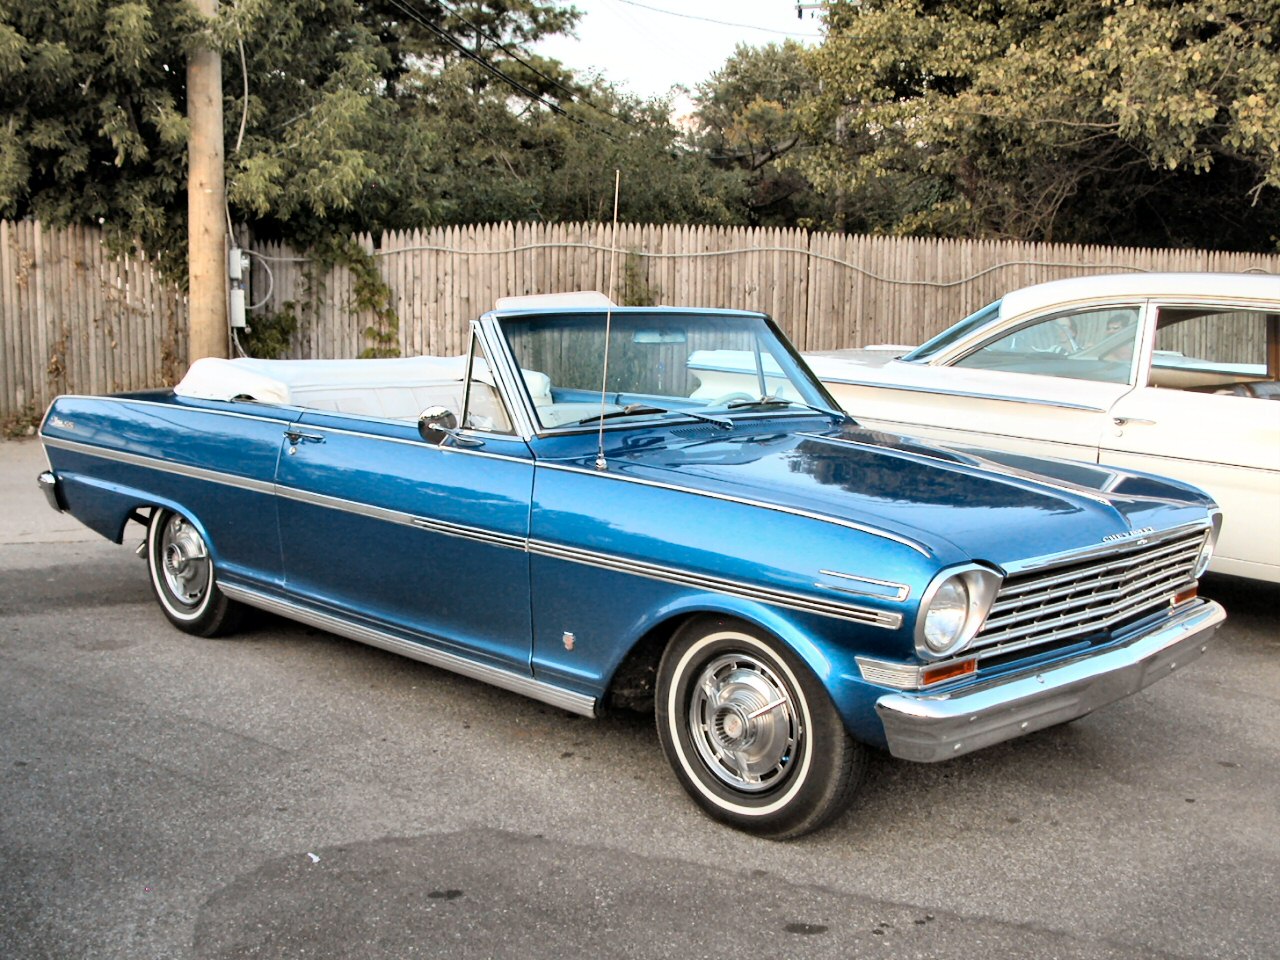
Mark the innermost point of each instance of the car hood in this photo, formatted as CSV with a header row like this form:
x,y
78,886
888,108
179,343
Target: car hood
x,y
972,504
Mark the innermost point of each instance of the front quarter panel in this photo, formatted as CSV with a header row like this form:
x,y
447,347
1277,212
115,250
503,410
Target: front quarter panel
x,y
614,559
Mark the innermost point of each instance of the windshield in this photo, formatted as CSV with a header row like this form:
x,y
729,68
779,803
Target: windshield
x,y
955,332
662,363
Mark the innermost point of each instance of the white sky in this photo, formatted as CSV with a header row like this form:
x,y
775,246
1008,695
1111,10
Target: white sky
x,y
638,48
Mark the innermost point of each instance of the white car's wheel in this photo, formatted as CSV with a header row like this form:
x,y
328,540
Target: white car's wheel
x,y
182,577
751,733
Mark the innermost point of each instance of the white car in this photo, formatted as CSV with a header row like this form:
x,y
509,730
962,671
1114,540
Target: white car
x,y
1174,374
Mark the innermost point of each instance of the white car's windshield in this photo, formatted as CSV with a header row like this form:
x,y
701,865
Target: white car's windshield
x,y
947,337
707,366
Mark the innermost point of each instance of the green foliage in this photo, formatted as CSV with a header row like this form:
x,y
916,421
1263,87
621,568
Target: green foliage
x,y
748,121
495,164
636,289
370,294
269,333
22,424
360,116
92,95
1147,121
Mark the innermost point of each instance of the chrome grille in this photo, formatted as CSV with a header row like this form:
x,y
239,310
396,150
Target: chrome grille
x,y
1074,600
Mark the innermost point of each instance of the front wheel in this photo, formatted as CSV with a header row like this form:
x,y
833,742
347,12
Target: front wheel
x,y
182,577
751,733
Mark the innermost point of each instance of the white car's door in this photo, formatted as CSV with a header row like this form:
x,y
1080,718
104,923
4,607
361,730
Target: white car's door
x,y
1195,419
1044,387
1042,416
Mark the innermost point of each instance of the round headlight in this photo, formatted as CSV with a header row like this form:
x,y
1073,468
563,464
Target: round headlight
x,y
944,621
953,609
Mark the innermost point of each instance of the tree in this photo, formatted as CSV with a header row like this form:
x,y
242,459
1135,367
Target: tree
x,y
94,128
331,136
747,120
1149,122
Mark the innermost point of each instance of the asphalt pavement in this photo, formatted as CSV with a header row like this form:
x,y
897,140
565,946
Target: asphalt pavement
x,y
287,794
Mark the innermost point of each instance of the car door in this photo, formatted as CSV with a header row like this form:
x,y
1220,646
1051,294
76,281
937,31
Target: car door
x,y
1196,417
379,526
1042,385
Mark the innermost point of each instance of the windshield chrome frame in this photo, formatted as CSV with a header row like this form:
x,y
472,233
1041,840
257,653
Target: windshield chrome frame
x,y
511,384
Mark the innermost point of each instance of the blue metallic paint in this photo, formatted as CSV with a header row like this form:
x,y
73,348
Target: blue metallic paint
x,y
766,506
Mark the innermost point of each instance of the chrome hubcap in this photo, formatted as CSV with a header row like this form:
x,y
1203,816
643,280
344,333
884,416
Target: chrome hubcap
x,y
184,561
743,723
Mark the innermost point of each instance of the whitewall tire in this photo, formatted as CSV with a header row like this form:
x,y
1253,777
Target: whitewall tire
x,y
751,733
182,577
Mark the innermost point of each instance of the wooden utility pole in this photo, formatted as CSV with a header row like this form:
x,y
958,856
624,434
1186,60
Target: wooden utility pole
x,y
206,203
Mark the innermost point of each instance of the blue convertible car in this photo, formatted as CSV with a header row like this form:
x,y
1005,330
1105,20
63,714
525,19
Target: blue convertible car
x,y
604,506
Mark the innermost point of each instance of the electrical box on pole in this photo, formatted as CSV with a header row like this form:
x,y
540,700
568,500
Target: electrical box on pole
x,y
238,272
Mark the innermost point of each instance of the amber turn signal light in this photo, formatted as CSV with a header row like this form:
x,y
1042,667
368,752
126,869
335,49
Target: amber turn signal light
x,y
1185,594
949,672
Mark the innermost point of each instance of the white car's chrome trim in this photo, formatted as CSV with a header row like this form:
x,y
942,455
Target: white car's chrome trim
x,y
508,680
729,498
968,394
748,591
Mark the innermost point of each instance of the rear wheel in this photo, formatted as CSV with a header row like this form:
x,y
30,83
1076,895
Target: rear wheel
x,y
751,733
182,577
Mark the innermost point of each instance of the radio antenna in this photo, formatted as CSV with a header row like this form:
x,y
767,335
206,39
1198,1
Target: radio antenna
x,y
601,463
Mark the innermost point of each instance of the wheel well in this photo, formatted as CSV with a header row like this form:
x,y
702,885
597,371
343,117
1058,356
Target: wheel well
x,y
632,685
141,514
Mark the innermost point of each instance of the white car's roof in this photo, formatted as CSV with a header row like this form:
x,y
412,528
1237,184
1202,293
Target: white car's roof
x,y
1120,286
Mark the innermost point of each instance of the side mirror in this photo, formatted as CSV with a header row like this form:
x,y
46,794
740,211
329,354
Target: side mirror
x,y
436,424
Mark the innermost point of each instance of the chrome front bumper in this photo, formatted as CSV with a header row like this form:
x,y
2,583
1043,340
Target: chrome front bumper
x,y
935,727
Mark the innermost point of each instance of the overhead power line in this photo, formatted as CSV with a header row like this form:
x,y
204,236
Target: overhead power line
x,y
573,96
720,23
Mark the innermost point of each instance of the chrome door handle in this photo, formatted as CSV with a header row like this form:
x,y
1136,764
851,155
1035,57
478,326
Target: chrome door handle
x,y
297,436
1122,421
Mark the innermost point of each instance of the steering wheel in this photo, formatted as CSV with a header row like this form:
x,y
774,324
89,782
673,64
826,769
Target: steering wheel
x,y
725,399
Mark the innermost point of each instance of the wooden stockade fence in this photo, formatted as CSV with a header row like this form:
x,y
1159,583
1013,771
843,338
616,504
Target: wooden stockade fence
x,y
75,319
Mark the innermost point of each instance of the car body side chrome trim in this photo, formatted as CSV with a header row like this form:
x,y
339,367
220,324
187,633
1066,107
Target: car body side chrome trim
x,y
480,534
165,466
328,428
528,686
417,441
969,395
763,505
897,592
837,609
132,401
780,598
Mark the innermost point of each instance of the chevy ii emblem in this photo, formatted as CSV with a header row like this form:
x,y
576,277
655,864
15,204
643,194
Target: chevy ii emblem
x,y
1113,537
